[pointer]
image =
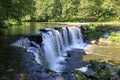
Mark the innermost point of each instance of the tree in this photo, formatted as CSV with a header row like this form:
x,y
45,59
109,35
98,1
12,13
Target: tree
x,y
56,10
86,8
14,10
108,7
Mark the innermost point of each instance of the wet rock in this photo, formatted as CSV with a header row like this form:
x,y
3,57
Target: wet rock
x,y
17,64
36,38
23,42
74,55
45,29
31,68
89,72
67,76
80,51
59,78
57,28
75,52
73,59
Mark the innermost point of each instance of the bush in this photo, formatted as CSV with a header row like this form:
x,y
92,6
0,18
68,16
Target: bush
x,y
114,37
9,22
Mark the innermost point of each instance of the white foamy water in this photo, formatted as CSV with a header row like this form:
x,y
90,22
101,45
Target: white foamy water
x,y
55,43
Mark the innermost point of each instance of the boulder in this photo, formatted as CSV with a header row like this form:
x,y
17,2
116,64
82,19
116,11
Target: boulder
x,y
36,38
73,59
103,41
45,29
93,42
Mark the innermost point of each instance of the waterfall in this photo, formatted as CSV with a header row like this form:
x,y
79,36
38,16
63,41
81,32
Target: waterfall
x,y
52,47
75,37
65,36
55,43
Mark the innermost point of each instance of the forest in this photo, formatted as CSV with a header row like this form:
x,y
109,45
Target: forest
x,y
13,12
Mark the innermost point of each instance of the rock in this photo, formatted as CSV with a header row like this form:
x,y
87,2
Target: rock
x,y
103,41
59,78
45,30
22,42
76,51
89,72
73,59
31,68
70,53
36,38
57,28
93,42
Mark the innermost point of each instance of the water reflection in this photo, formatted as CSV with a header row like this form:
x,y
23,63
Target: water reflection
x,y
28,28
3,32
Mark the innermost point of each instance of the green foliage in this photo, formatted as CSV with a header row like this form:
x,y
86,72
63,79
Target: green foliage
x,y
79,75
12,11
93,31
10,22
77,10
58,10
115,37
86,8
118,70
103,71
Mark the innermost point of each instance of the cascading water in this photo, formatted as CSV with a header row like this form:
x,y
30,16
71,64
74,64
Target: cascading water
x,y
52,48
30,46
65,37
75,37
55,43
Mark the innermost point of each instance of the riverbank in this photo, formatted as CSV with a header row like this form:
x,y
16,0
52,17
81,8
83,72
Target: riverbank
x,y
85,23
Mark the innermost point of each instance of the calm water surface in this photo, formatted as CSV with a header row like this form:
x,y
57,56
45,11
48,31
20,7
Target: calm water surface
x,y
9,35
29,28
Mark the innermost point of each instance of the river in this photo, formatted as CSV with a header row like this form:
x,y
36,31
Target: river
x,y
10,62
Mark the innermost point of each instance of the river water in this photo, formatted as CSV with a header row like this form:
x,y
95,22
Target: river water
x,y
8,59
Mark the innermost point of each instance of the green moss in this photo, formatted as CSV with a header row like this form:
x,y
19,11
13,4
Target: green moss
x,y
103,71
